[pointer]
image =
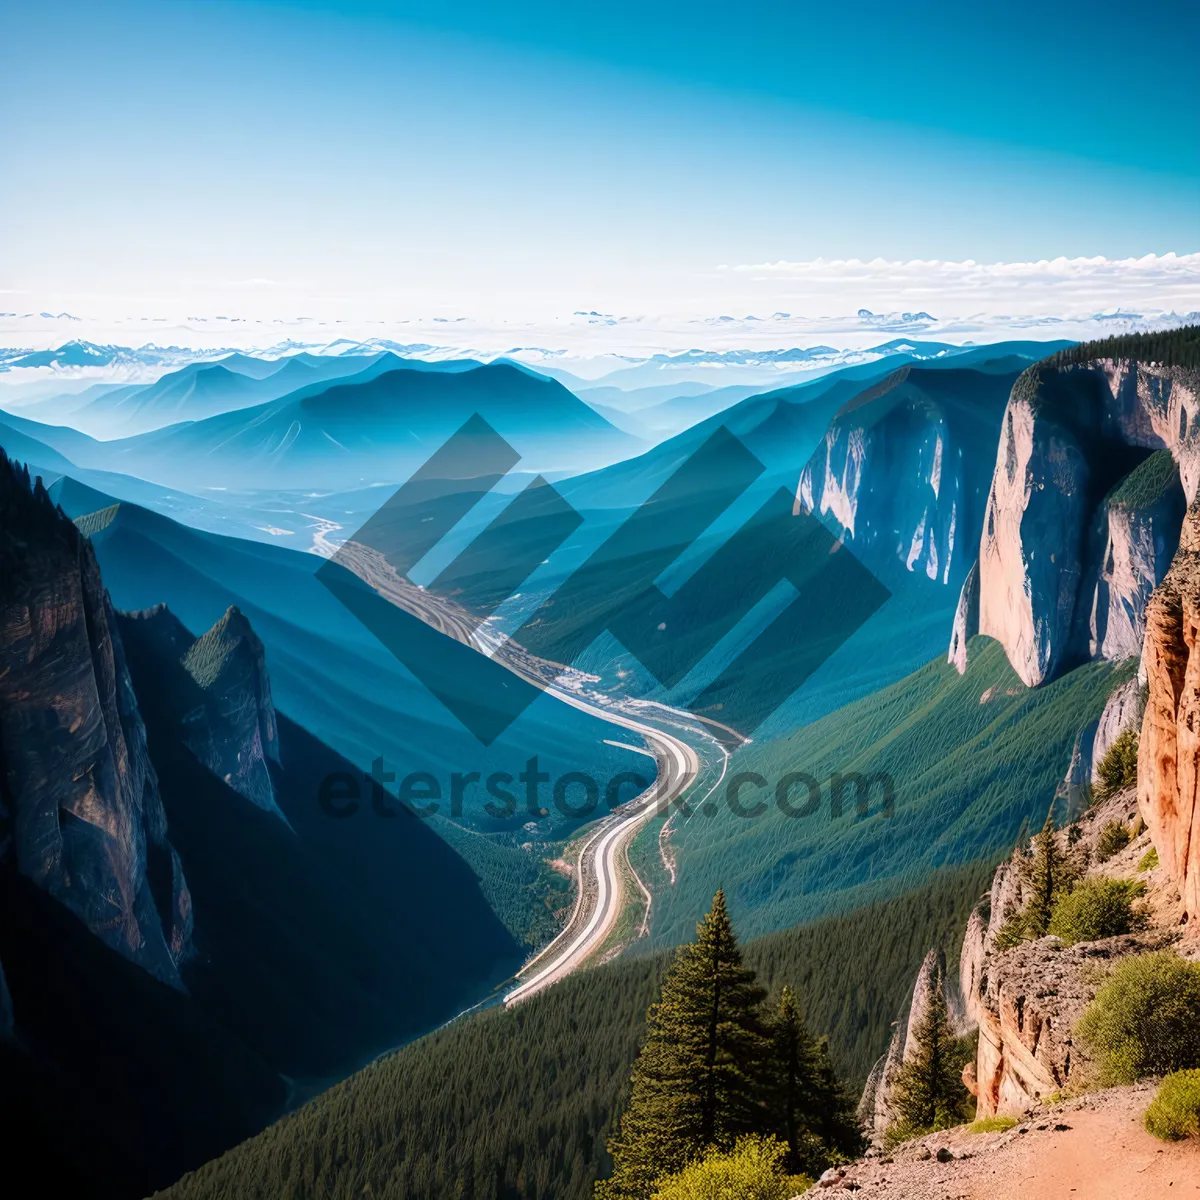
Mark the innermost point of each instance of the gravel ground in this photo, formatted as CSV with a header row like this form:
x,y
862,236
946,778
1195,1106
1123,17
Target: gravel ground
x,y
1092,1147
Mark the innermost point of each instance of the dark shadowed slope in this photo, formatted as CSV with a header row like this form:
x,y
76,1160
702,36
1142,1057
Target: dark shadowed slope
x,y
181,959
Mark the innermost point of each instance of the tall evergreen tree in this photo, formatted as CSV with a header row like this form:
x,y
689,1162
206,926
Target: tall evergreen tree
x,y
699,1080
810,1110
834,1121
1049,876
794,1070
929,1088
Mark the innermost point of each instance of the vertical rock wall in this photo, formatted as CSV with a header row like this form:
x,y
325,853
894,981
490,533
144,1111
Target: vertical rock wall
x,y
1049,592
80,812
1169,749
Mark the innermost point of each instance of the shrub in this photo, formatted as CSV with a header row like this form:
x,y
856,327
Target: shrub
x,y
992,1125
1117,770
752,1171
1049,873
1012,932
1114,837
1097,908
1149,860
1175,1112
1145,1019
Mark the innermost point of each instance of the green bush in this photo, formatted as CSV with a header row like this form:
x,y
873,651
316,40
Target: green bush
x,y
1114,837
1149,860
754,1170
1117,770
1145,1019
1013,932
1175,1112
992,1125
1097,908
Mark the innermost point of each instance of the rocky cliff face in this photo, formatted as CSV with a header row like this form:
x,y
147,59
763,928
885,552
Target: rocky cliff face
x,y
1140,531
966,620
1169,749
877,1109
80,811
1122,711
1026,999
234,732
1027,1007
899,470
1080,525
228,718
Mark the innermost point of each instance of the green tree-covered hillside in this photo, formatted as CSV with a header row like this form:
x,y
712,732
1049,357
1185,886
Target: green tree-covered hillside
x,y
517,1105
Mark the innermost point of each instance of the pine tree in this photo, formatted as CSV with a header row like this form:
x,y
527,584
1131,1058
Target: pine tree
x,y
1049,876
699,1081
929,1088
835,1123
794,1067
810,1110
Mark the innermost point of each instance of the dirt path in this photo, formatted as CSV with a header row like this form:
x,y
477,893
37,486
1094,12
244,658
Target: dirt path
x,y
1092,1148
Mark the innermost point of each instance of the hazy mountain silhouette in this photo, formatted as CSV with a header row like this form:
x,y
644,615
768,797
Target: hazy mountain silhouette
x,y
369,428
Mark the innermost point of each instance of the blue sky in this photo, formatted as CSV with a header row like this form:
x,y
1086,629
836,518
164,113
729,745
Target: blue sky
x,y
539,157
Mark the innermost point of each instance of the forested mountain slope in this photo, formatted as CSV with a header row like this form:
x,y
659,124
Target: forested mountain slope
x,y
516,1105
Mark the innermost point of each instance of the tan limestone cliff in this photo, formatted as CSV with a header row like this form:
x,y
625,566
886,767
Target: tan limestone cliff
x,y
1027,998
1062,573
1169,749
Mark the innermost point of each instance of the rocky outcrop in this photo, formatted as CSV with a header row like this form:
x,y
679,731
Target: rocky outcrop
x,y
877,1110
1122,711
877,1107
966,620
1004,898
229,720
234,733
972,959
1027,998
1028,1003
1078,527
898,472
1169,749
80,811
1140,530
1074,792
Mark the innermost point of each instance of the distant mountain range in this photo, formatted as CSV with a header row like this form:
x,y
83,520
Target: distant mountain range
x,y
377,426
891,456
202,390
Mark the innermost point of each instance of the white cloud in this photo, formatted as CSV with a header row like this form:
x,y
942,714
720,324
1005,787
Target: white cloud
x,y
1058,285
